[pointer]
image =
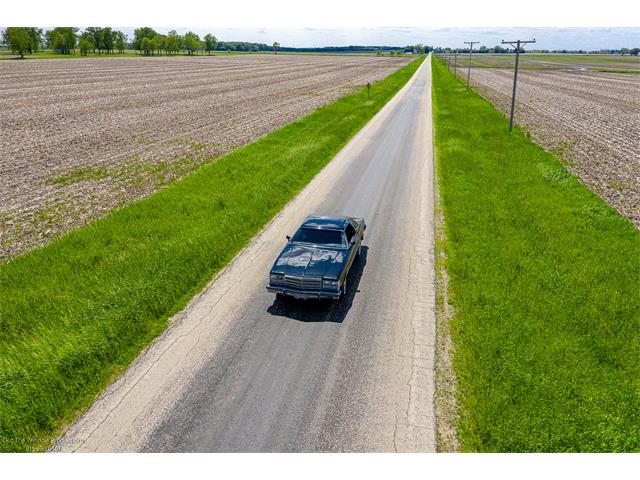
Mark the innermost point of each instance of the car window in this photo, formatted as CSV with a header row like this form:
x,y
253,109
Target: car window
x,y
350,231
314,236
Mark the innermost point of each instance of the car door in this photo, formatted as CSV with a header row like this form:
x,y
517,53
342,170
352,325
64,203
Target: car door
x,y
351,233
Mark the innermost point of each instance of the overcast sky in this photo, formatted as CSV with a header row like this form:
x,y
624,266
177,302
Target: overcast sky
x,y
546,38
558,24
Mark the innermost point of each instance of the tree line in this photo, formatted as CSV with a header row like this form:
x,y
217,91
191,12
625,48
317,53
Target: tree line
x,y
149,42
103,40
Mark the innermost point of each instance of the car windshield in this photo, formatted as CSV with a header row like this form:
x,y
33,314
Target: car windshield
x,y
314,236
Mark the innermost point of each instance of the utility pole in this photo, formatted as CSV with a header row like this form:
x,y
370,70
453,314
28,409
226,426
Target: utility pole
x,y
455,62
515,44
469,68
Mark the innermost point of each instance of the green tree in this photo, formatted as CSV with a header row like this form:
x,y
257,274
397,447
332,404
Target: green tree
x,y
17,38
140,34
62,39
94,32
56,42
180,43
106,39
120,41
85,44
276,47
161,42
35,38
191,42
210,43
146,46
172,43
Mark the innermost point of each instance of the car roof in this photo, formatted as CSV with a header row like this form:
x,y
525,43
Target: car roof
x,y
326,222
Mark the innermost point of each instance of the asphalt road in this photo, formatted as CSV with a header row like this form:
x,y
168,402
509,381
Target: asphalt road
x,y
239,370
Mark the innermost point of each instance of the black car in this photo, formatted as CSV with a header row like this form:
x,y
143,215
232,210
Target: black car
x,y
315,262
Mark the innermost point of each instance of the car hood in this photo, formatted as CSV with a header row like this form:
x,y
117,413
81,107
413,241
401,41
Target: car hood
x,y
310,262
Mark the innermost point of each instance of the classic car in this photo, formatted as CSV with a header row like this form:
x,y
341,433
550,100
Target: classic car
x,y
316,260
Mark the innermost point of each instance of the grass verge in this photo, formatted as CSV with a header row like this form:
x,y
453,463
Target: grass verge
x,y
544,280
447,416
76,312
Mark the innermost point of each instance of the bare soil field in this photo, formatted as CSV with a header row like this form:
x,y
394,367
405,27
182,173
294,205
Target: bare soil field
x,y
591,120
79,138
606,63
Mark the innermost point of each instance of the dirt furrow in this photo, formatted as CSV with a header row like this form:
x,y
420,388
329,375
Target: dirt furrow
x,y
79,138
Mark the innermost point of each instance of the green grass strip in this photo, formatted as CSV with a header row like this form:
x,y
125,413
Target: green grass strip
x,y
75,313
544,279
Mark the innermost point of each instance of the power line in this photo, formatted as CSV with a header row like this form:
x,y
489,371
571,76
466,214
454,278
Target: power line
x,y
515,44
469,68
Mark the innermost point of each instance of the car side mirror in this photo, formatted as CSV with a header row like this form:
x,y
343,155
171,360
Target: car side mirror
x,y
288,238
353,240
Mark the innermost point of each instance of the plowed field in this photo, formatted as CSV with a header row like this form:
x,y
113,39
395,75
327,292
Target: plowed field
x,y
81,137
591,120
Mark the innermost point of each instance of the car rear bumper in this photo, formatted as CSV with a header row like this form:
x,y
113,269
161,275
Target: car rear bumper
x,y
304,294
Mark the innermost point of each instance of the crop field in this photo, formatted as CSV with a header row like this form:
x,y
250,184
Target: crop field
x,y
589,119
80,138
531,61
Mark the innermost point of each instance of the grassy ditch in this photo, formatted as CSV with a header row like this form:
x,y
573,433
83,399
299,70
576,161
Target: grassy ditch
x,y
544,280
76,312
